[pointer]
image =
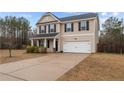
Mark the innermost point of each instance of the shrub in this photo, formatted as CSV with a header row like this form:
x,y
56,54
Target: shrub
x,y
42,50
110,48
30,49
36,49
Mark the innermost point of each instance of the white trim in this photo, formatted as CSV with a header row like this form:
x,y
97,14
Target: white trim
x,y
53,16
80,34
54,43
95,25
43,38
37,30
32,42
45,44
92,34
57,35
45,23
37,42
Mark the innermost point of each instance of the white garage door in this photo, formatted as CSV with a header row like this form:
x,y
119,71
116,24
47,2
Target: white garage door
x,y
77,47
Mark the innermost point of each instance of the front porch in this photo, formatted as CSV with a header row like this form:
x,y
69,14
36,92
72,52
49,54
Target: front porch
x,y
51,41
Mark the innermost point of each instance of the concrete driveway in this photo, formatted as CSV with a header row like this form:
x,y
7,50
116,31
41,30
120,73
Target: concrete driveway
x,y
48,67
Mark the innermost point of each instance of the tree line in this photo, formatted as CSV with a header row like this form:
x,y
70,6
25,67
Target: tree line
x,y
112,38
13,32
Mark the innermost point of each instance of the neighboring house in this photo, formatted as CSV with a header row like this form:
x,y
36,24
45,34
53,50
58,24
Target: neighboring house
x,y
77,34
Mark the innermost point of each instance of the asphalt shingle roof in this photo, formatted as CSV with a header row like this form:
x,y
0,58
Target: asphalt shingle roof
x,y
44,35
76,17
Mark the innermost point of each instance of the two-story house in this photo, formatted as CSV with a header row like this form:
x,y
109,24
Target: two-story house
x,y
76,34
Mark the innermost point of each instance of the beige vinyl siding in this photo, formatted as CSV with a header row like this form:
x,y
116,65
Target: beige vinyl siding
x,y
47,18
82,36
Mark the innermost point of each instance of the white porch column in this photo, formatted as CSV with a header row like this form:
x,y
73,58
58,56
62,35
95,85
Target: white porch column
x,y
37,42
32,42
54,43
45,43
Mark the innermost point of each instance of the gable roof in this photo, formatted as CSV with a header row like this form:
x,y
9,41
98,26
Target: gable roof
x,y
49,13
76,17
81,16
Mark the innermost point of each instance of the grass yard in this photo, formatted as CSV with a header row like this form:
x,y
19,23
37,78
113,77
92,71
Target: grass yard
x,y
97,67
16,56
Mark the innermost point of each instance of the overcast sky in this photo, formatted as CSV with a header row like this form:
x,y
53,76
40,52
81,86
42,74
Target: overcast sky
x,y
33,17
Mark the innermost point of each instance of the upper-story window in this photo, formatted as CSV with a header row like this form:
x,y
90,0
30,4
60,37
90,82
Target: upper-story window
x,y
84,25
42,29
51,28
69,27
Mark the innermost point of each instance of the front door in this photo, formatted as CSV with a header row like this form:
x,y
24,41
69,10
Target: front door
x,y
56,45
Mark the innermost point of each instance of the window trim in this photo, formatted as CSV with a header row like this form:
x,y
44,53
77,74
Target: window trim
x,y
71,25
83,26
54,28
41,29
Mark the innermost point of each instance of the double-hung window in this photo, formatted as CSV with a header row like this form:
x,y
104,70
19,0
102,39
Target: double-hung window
x,y
83,25
42,29
69,27
52,28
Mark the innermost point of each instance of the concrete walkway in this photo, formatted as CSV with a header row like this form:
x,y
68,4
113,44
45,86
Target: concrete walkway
x,y
48,67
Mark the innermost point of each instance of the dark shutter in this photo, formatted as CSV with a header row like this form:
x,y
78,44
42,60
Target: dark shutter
x,y
39,29
72,27
65,27
54,27
44,29
87,25
79,26
49,28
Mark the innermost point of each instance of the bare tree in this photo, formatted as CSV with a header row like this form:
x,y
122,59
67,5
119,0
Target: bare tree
x,y
13,29
111,40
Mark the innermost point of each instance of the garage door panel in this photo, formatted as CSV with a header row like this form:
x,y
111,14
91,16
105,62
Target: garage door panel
x,y
77,47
